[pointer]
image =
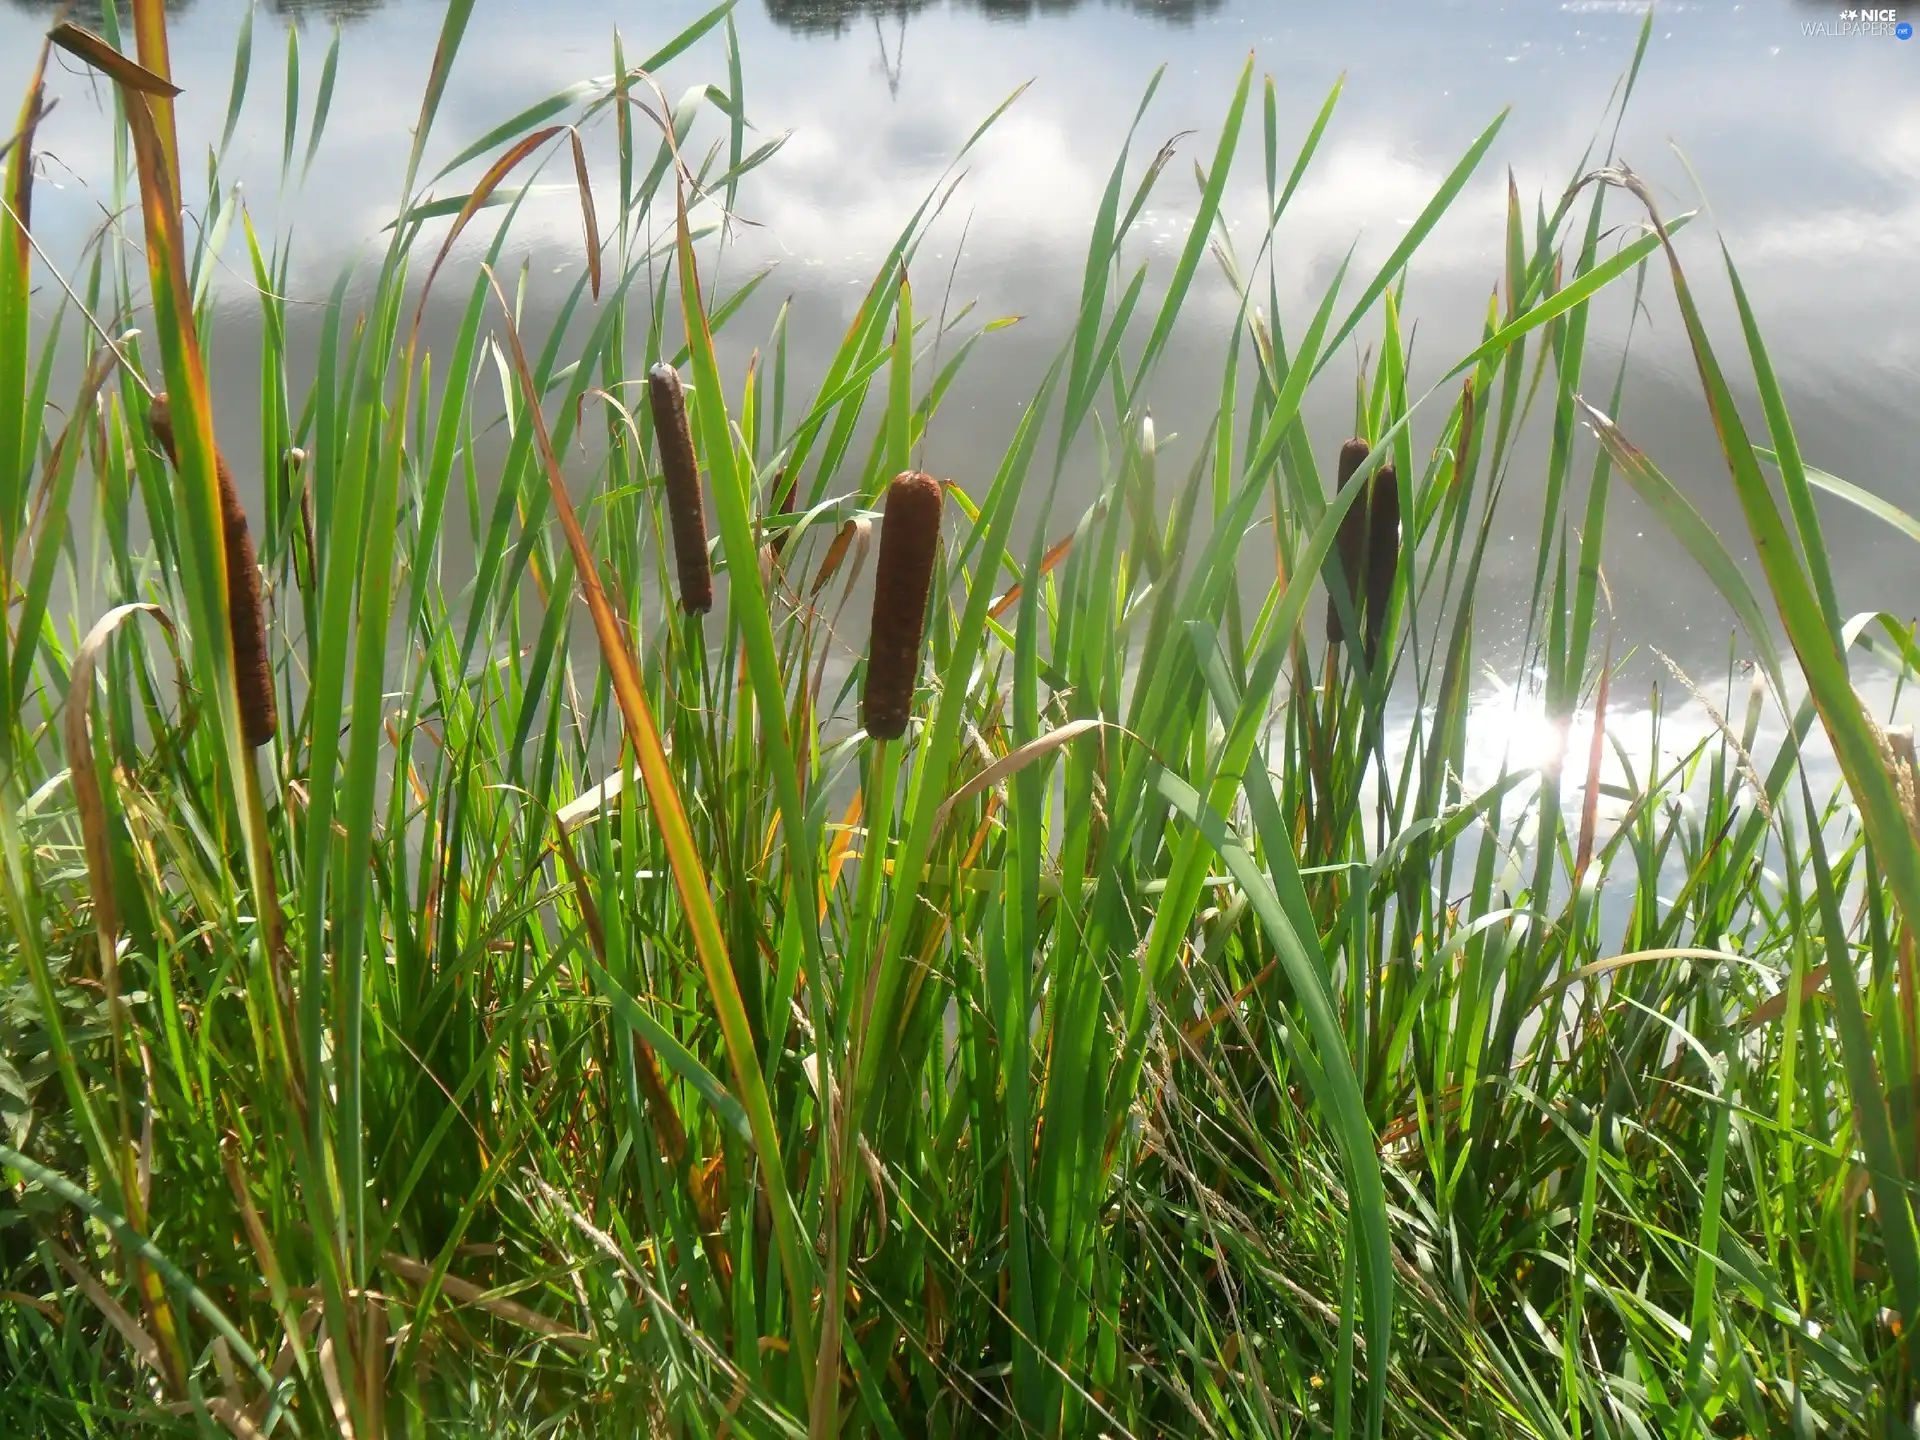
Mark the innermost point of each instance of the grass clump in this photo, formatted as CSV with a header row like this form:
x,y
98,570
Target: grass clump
x,y
1164,1034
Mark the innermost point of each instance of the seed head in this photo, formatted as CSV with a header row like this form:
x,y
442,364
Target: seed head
x,y
685,515
1351,542
1383,553
246,613
909,538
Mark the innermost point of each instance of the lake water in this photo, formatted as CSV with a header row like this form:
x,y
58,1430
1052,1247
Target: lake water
x,y
1805,148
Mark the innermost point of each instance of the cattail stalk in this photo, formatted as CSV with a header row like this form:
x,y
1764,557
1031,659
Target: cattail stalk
x,y
246,612
685,514
1351,542
909,538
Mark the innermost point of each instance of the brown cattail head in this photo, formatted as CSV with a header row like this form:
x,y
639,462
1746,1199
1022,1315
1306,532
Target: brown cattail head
x,y
246,613
909,537
685,514
1383,553
1351,543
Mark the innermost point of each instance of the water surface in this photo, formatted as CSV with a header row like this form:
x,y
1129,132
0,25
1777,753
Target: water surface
x,y
1804,149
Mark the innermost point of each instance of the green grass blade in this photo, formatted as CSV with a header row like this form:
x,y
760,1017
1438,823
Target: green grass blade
x,y
1438,206
1202,229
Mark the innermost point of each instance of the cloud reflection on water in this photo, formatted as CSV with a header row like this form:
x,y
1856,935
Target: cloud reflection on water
x,y
1810,152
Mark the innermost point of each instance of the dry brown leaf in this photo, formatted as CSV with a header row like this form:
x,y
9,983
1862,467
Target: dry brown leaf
x,y
122,69
587,215
336,1394
138,1340
489,182
1013,762
468,1293
1055,554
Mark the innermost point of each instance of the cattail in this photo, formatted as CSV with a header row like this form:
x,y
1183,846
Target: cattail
x,y
909,535
1383,553
246,614
684,512
1351,543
